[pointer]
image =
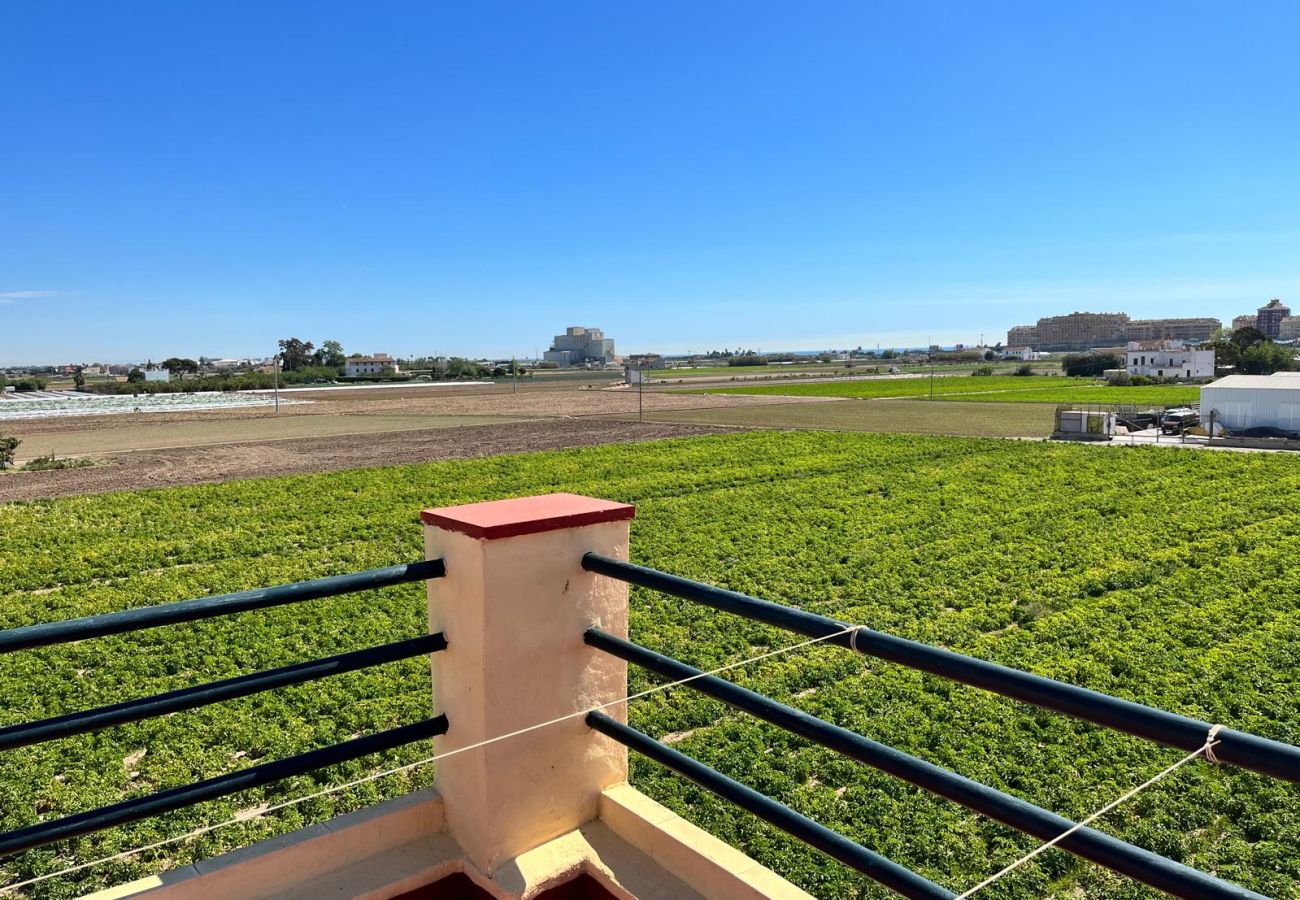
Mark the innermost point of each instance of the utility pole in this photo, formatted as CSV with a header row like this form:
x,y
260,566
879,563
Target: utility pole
x,y
640,395
514,374
929,352
275,369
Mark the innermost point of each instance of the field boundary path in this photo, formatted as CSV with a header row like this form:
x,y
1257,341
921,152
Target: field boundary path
x,y
233,462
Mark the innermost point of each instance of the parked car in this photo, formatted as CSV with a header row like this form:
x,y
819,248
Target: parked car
x,y
1137,421
1176,421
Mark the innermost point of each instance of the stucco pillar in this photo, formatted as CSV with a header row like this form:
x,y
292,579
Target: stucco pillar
x,y
514,604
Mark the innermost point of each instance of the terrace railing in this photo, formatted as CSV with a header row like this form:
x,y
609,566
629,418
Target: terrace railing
x,y
529,576
43,635
1219,744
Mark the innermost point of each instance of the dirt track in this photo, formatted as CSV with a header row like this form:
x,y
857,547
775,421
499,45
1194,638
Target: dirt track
x,y
232,462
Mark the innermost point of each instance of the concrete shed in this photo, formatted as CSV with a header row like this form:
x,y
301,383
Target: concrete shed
x,y
1251,401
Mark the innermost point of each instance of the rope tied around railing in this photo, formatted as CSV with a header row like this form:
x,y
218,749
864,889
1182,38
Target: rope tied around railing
x,y
1211,739
1206,750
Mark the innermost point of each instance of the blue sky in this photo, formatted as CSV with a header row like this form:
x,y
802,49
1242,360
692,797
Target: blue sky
x,y
206,177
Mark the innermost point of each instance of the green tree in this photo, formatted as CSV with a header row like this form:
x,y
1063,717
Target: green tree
x,y
1265,358
1231,347
294,354
1090,365
459,367
79,377
135,376
8,447
180,366
1245,338
331,355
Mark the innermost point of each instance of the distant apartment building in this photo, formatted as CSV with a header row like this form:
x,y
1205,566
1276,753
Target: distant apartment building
x,y
1078,330
580,346
1270,316
1241,322
1023,336
1194,331
1168,359
1082,330
1289,328
379,364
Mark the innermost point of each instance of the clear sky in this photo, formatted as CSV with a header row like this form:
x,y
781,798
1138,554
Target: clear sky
x,y
202,178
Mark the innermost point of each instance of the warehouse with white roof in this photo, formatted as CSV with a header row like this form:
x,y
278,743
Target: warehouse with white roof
x,y
1254,401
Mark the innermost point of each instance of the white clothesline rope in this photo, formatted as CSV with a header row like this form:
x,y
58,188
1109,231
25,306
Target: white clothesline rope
x,y
8,889
1207,750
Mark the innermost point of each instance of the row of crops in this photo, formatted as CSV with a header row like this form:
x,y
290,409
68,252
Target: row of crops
x,y
1162,576
47,404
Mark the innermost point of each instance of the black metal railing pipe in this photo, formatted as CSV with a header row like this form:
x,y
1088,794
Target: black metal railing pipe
x,y
1114,854
876,867
64,632
214,692
165,801
786,617
1238,748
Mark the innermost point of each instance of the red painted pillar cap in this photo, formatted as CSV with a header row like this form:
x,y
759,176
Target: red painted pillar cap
x,y
527,515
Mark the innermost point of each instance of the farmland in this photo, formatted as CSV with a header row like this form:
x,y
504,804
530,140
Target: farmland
x,y
344,429
776,371
1120,570
989,389
895,417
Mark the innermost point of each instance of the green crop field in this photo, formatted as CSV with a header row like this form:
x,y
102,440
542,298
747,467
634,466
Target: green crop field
x,y
987,388
860,367
895,417
773,370
1163,576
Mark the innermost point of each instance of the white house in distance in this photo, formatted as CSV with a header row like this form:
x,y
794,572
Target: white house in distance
x,y
371,365
1168,359
1024,354
1253,401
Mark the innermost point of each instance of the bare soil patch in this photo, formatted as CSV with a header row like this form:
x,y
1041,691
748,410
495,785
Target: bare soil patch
x,y
493,400
167,436
231,462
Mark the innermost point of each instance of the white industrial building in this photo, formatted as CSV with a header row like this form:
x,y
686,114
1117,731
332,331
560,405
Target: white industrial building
x,y
581,346
1168,359
1253,401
